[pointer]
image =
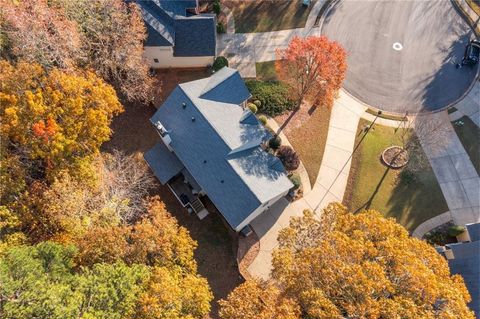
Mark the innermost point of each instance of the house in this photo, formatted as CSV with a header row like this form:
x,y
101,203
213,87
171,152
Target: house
x,y
212,145
177,35
464,259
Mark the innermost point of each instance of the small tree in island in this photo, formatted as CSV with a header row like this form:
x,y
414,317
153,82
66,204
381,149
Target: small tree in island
x,y
313,68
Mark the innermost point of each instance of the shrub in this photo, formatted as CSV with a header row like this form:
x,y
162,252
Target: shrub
x,y
455,230
220,28
270,130
273,97
296,181
288,157
275,142
257,103
216,7
219,63
252,107
263,119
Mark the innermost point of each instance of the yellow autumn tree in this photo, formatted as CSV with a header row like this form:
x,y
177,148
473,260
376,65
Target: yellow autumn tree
x,y
54,121
363,266
172,293
256,299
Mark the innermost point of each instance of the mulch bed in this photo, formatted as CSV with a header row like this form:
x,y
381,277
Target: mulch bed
x,y
248,248
395,157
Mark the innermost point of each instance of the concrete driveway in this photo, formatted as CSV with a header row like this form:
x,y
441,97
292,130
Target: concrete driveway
x,y
402,55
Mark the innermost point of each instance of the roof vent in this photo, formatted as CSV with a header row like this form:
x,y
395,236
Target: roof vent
x,y
222,181
193,118
184,105
204,161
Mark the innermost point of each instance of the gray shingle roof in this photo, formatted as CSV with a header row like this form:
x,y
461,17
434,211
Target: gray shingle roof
x,y
163,163
237,182
169,24
195,36
466,262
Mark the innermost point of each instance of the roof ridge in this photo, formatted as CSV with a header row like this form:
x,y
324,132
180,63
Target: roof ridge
x,y
215,76
222,138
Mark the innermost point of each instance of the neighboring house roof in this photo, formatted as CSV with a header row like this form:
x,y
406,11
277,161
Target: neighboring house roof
x,y
169,24
466,262
221,146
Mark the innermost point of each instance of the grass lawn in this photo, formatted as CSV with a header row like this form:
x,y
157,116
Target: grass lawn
x,y
372,185
268,15
266,71
469,135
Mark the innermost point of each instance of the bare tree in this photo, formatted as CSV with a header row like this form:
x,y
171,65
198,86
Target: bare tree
x,y
125,181
421,134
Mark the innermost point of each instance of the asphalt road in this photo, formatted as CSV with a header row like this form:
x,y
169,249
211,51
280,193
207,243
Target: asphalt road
x,y
420,75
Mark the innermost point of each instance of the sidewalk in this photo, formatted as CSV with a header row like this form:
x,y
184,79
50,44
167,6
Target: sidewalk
x,y
333,175
455,173
431,223
469,105
243,50
330,185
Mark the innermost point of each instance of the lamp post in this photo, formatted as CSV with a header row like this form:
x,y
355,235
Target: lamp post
x,y
349,158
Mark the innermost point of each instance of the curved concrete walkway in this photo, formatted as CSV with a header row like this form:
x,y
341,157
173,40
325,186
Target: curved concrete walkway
x,y
329,186
430,224
459,184
455,173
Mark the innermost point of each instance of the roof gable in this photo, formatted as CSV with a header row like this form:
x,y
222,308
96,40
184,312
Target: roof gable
x,y
160,25
226,86
169,24
219,144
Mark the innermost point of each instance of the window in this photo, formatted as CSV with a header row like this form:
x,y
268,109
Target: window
x,y
155,60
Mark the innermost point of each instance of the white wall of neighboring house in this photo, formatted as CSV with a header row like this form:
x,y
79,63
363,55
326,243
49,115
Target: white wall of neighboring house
x,y
165,58
259,210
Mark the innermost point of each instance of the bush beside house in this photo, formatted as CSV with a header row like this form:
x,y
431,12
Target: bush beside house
x,y
296,180
219,63
263,119
288,157
275,142
273,98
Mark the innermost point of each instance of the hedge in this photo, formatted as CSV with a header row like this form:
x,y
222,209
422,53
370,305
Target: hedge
x,y
219,63
273,96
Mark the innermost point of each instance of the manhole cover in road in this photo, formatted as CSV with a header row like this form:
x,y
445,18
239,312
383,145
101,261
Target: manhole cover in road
x,y
397,46
396,65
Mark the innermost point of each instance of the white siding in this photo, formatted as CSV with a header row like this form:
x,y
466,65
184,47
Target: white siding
x,y
259,210
167,60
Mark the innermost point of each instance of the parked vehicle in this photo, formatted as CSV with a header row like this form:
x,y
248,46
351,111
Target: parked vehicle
x,y
472,54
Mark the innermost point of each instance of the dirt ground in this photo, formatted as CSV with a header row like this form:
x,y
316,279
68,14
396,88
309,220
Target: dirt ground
x,y
216,252
307,129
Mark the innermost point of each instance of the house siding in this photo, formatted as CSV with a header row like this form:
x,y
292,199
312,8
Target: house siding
x,y
261,209
167,60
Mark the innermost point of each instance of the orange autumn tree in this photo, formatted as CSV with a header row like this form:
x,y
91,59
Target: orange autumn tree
x,y
359,266
313,68
53,121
